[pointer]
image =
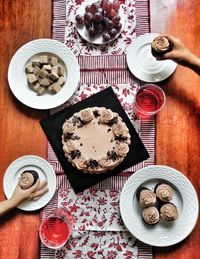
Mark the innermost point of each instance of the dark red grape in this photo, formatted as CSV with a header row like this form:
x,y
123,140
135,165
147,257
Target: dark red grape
x,y
79,18
107,6
88,25
116,5
110,25
113,32
98,17
106,36
92,32
88,17
98,26
112,13
118,26
116,19
105,21
103,2
100,10
94,7
88,9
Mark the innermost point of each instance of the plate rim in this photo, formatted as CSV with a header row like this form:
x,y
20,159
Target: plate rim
x,y
51,176
135,175
92,41
132,68
34,43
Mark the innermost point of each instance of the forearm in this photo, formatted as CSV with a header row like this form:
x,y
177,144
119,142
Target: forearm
x,y
6,206
193,62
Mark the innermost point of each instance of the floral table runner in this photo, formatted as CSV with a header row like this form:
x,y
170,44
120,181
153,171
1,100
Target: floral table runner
x,y
94,235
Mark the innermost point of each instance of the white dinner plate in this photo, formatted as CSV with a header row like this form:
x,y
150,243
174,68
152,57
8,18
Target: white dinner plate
x,y
18,81
45,171
185,198
143,64
83,32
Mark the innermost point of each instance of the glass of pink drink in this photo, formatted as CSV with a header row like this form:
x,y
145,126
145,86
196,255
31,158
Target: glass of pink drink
x,y
56,228
149,100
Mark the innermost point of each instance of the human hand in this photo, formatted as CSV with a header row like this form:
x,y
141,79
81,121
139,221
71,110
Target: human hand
x,y
179,52
32,193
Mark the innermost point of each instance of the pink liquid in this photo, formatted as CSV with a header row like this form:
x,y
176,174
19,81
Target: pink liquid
x,y
149,100
54,232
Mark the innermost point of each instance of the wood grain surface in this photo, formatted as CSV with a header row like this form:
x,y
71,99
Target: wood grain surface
x,y
20,21
178,124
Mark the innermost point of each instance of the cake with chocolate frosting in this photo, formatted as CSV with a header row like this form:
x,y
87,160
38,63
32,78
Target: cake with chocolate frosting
x,y
95,140
160,45
28,178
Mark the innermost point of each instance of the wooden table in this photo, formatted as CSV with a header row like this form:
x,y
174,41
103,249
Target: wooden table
x,y
178,124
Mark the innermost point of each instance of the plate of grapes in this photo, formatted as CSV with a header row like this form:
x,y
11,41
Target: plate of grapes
x,y
100,22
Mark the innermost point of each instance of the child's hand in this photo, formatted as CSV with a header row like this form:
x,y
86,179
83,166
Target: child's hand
x,y
32,193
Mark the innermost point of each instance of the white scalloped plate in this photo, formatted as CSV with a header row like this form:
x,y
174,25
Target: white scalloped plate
x,y
45,172
185,198
143,64
98,40
17,76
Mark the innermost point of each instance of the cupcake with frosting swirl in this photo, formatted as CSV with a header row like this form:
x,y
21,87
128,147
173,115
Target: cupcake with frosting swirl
x,y
146,197
164,192
160,45
168,212
86,115
106,116
28,178
151,215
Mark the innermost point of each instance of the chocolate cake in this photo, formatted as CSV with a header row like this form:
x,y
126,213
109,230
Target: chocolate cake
x,y
95,140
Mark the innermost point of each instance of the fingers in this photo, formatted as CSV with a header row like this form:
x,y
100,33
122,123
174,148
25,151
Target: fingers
x,y
39,193
34,187
42,185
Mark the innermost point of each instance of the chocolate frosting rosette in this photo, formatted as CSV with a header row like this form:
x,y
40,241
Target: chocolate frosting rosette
x,y
68,128
86,115
28,178
106,116
146,197
160,45
150,215
168,212
164,192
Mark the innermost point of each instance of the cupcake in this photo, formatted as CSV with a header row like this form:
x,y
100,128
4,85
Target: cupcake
x,y
168,212
28,178
159,46
146,197
150,215
164,192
